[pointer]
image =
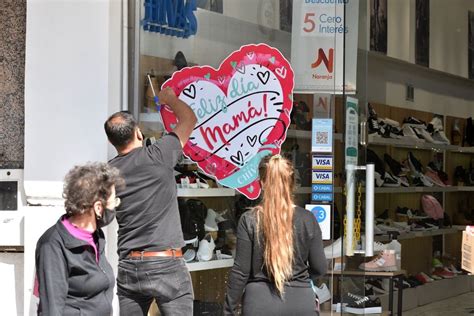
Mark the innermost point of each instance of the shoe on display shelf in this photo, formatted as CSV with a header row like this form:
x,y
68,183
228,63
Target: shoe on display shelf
x,y
436,124
388,121
414,282
440,138
415,165
395,167
385,261
364,306
379,167
189,254
333,250
423,278
413,121
322,292
376,286
422,181
404,182
206,248
433,176
435,277
404,226
210,224
443,273
453,269
383,217
388,229
391,181
425,135
388,131
409,133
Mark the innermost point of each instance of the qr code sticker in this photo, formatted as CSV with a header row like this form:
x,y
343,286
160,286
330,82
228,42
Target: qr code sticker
x,y
321,137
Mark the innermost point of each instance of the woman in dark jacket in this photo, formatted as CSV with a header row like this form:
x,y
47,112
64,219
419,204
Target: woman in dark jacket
x,y
279,245
73,274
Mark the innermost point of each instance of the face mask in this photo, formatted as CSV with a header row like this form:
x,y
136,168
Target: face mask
x,y
107,217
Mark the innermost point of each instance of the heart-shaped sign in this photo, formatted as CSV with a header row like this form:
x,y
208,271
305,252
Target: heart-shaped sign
x,y
243,110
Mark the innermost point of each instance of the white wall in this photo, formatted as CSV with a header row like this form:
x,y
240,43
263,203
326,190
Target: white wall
x,y
73,81
449,35
67,81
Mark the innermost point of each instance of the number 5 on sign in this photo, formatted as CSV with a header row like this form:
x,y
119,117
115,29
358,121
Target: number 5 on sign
x,y
309,23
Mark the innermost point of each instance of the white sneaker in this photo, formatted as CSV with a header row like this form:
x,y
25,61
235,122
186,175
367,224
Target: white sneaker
x,y
322,292
440,136
391,122
425,135
189,255
437,123
409,133
206,248
211,224
333,250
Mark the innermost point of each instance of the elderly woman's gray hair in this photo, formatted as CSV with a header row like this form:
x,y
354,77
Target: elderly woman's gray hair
x,y
87,184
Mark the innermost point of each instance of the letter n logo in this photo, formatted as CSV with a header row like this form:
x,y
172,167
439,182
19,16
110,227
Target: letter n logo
x,y
323,58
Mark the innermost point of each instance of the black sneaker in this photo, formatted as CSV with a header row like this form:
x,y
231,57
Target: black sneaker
x,y
364,305
384,216
413,121
372,121
415,165
376,286
394,165
391,181
379,167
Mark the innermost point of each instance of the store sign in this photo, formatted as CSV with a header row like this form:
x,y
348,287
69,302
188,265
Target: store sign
x,y
170,17
243,111
318,48
322,212
352,131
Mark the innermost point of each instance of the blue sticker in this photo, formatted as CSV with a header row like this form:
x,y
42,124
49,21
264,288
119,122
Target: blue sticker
x,y
320,213
322,188
321,197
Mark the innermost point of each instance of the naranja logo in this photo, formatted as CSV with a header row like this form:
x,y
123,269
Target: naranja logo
x,y
323,58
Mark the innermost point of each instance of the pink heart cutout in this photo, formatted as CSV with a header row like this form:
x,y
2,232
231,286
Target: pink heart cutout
x,y
242,116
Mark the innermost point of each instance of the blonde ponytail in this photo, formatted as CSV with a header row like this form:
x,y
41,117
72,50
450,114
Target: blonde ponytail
x,y
275,218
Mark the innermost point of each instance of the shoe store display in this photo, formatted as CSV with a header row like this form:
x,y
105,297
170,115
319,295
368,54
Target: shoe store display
x,y
385,261
322,292
363,306
443,273
376,286
391,181
423,278
206,249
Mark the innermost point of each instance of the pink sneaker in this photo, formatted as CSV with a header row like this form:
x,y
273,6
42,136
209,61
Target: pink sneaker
x,y
433,176
385,261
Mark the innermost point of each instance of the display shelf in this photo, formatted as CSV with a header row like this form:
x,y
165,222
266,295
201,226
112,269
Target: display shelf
x,y
464,189
418,234
209,265
459,149
415,189
214,192
405,143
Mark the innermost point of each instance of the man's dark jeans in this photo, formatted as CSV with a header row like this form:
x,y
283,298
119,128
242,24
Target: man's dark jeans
x,y
165,279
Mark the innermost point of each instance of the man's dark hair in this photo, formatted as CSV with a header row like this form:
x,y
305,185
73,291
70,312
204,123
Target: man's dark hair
x,y
120,128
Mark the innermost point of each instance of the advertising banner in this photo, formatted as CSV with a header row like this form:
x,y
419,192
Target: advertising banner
x,y
317,45
243,111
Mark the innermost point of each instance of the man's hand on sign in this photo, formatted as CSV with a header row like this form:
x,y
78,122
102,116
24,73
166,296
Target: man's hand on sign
x,y
167,96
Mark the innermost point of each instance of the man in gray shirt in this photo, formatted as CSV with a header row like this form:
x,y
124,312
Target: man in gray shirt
x,y
149,236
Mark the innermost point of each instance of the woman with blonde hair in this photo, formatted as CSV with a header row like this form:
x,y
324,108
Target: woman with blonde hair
x,y
279,246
